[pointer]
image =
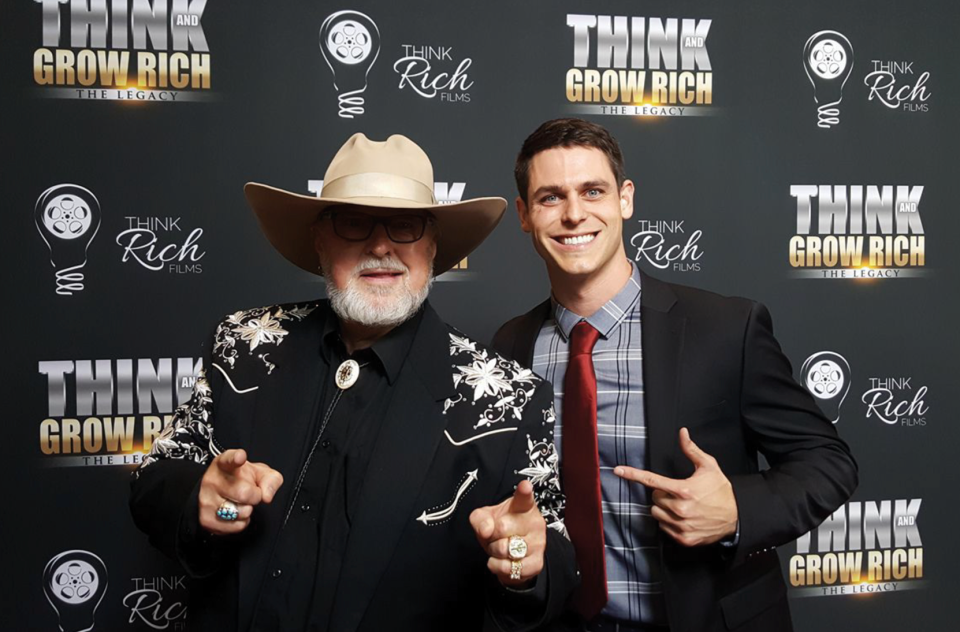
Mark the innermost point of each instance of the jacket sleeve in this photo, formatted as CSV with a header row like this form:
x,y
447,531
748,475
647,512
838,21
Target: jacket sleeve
x,y
533,456
164,489
811,469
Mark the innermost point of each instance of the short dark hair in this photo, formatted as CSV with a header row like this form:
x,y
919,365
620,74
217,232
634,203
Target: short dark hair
x,y
567,132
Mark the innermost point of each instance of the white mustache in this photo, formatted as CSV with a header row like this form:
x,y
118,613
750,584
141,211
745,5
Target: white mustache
x,y
386,263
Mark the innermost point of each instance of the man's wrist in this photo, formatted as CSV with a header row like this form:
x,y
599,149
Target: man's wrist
x,y
733,539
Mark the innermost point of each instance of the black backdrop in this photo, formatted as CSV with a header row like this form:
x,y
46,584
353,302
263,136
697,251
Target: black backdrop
x,y
715,181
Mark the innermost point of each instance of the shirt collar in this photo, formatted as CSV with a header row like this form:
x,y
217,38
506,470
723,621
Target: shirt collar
x,y
610,314
391,350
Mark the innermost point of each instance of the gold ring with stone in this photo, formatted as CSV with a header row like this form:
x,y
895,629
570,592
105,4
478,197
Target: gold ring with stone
x,y
517,547
516,567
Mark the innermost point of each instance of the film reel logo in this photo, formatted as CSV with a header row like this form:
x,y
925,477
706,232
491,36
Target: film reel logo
x,y
350,43
828,60
68,218
74,583
827,376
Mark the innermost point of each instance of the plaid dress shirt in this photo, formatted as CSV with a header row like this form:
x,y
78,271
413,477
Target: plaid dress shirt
x,y
630,532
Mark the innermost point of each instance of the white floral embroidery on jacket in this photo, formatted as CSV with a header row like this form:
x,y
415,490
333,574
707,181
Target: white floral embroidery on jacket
x,y
190,434
500,389
259,327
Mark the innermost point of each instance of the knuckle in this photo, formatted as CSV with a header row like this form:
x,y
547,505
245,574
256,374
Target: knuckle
x,y
241,490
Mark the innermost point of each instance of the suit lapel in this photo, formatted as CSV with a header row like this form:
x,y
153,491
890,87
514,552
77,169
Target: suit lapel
x,y
662,339
529,328
404,451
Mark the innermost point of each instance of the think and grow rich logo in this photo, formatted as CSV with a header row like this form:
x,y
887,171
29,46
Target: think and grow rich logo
x,y
109,412
857,232
865,547
637,66
133,50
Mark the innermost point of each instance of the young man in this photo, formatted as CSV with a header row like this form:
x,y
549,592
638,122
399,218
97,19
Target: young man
x,y
341,459
665,396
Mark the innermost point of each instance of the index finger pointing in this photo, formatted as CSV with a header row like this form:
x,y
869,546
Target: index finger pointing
x,y
651,480
230,460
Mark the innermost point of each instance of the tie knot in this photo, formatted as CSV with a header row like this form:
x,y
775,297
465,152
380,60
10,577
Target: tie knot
x,y
583,338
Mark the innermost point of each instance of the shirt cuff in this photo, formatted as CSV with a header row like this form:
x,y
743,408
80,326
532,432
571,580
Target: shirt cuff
x,y
524,591
732,540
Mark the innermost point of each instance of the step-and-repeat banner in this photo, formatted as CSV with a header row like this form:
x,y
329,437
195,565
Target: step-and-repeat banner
x,y
799,153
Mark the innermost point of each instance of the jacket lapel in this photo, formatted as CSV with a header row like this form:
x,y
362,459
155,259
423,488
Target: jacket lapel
x,y
402,456
662,339
529,328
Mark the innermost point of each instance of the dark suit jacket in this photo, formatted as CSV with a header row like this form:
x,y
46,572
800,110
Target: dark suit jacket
x,y
460,418
712,364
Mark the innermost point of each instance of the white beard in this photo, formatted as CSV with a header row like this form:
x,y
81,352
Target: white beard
x,y
373,306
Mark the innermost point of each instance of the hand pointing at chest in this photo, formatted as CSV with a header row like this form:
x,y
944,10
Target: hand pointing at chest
x,y
694,511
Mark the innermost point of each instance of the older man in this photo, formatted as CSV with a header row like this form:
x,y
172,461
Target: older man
x,y
340,460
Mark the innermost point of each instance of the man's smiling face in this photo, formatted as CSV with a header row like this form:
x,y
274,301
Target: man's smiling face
x,y
575,211
375,281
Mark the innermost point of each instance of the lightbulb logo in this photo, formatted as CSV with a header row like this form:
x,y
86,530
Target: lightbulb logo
x,y
350,42
827,376
828,60
68,218
74,583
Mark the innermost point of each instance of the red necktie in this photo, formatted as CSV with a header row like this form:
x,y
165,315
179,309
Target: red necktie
x,y
581,471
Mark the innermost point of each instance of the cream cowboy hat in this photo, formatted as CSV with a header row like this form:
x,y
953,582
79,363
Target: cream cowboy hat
x,y
395,174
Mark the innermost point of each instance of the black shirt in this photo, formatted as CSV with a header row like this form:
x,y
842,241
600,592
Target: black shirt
x,y
301,580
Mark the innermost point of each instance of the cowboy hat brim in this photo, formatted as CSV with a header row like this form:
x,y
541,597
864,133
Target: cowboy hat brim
x,y
285,218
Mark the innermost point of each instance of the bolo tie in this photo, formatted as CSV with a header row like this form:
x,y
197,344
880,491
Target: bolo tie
x,y
345,376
